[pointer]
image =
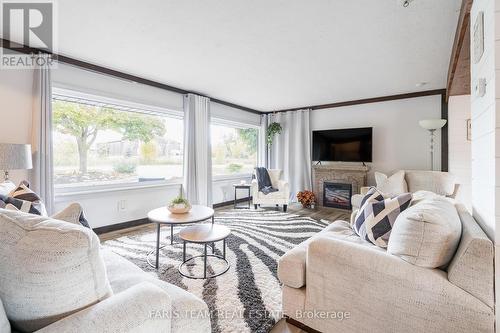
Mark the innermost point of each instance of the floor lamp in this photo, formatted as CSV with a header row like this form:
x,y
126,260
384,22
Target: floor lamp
x,y
432,125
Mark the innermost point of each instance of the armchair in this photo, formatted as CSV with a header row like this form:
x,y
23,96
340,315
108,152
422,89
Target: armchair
x,y
280,197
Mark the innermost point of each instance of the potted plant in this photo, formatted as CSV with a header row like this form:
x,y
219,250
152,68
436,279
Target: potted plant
x,y
273,129
306,198
179,205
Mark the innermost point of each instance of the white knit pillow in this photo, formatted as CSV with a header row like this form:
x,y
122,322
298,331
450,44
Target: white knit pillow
x,y
426,234
49,269
393,185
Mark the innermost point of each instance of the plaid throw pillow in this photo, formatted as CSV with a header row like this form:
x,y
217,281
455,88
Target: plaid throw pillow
x,y
23,192
377,215
18,204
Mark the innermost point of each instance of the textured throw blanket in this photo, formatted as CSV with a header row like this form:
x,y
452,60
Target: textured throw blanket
x,y
264,181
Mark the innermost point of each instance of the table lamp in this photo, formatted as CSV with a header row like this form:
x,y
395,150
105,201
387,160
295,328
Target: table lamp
x,y
14,157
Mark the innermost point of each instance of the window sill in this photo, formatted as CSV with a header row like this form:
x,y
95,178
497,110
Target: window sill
x,y
88,190
231,177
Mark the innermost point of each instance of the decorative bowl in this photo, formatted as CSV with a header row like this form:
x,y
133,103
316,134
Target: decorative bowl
x,y
179,208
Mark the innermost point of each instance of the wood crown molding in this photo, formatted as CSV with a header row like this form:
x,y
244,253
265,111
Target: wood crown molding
x,y
368,100
458,81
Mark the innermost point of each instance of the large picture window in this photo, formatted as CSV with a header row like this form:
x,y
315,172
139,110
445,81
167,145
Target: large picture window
x,y
234,149
97,143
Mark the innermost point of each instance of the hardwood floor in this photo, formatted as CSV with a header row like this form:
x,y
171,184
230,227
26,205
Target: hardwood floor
x,y
330,214
283,327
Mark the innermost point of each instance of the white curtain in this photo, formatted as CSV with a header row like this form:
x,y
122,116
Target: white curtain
x,y
197,150
263,152
41,177
291,150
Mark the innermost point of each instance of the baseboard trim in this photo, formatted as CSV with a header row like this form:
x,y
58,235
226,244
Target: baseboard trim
x,y
300,325
139,222
231,202
119,226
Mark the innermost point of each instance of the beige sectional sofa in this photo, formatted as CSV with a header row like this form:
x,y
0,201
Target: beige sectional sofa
x,y
54,277
337,282
441,183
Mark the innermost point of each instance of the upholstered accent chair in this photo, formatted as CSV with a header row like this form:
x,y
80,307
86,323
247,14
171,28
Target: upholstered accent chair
x,y
278,198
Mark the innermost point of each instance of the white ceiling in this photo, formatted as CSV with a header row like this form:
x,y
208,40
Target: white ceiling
x,y
268,54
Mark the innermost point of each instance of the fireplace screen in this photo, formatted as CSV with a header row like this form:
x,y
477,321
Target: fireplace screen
x,y
337,195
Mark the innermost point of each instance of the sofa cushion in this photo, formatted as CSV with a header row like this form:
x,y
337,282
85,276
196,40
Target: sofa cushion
x,y
73,213
442,183
356,200
427,233
50,269
377,215
123,274
393,185
275,176
292,265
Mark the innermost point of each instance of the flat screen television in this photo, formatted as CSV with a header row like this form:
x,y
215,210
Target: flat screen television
x,y
343,145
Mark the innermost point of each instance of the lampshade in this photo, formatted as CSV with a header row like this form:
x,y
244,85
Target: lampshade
x,y
432,124
15,156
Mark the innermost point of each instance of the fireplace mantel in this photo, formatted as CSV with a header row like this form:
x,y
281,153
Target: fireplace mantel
x,y
347,173
342,166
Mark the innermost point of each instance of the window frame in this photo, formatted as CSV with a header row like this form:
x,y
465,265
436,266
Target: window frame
x,y
122,104
234,124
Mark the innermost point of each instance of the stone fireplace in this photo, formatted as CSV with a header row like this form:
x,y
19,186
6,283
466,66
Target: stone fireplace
x,y
338,173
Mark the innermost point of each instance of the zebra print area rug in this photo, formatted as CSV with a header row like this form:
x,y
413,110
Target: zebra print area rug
x,y
247,298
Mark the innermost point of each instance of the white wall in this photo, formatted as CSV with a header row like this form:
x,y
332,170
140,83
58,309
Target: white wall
x,y
398,141
16,88
459,148
117,206
483,115
485,131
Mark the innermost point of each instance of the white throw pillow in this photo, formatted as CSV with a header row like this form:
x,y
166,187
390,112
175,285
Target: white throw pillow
x,y
393,185
426,234
6,187
4,322
49,269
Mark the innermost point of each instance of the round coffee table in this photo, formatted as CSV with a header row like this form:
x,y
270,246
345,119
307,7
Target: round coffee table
x,y
162,215
204,234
